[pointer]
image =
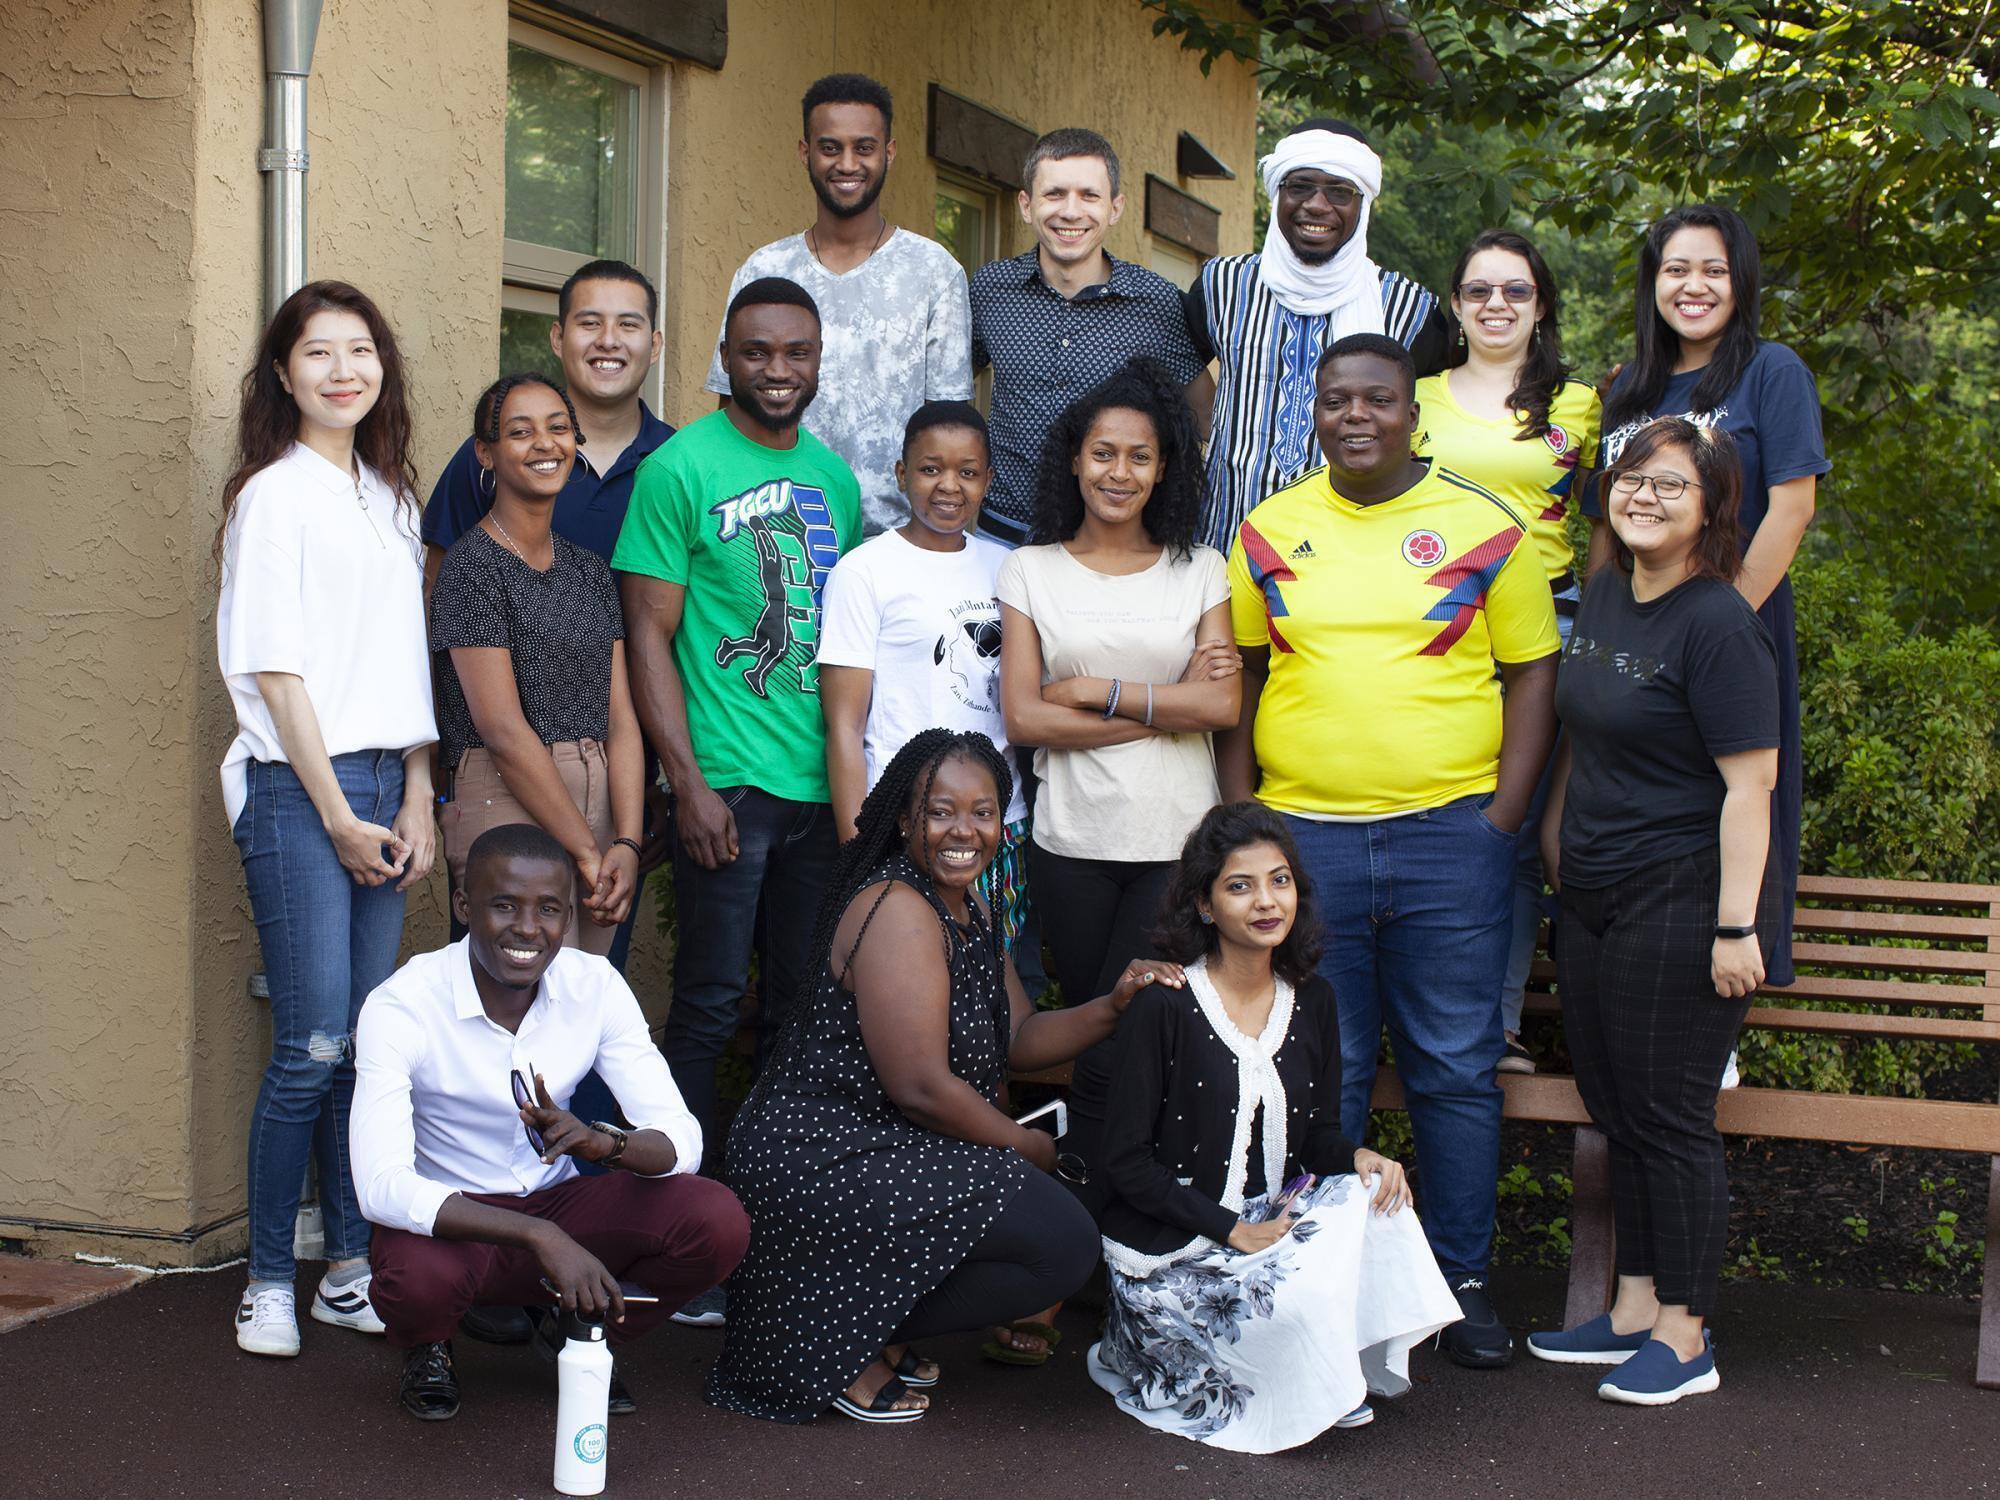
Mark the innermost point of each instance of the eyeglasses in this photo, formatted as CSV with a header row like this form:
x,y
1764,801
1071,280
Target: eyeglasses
x,y
1666,486
1516,292
1304,189
524,1098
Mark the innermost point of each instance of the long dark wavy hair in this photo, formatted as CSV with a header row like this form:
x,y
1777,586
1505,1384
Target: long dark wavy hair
x,y
1544,372
1183,936
1658,346
268,423
1172,516
1718,551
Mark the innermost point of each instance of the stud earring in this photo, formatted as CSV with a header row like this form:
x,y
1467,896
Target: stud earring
x,y
1207,920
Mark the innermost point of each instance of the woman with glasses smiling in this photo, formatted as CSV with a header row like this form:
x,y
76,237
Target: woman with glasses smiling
x,y
1507,415
1668,696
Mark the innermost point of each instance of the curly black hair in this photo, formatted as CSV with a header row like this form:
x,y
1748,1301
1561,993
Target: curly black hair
x,y
905,783
1184,937
486,410
1172,516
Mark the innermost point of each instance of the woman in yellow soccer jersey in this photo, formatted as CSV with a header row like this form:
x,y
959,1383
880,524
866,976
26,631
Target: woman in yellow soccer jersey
x,y
1508,416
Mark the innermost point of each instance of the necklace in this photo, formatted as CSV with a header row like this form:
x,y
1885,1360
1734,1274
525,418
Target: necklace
x,y
362,500
512,545
812,243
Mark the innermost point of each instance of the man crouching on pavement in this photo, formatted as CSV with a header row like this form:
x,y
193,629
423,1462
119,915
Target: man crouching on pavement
x,y
462,1150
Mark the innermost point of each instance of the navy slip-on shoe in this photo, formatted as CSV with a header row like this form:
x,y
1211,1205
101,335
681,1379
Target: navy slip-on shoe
x,y
1591,1343
1656,1376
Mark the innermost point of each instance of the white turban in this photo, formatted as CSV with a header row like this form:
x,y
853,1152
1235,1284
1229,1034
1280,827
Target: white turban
x,y
1348,286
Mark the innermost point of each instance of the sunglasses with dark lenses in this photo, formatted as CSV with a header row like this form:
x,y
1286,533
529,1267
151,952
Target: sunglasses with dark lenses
x,y
524,1098
1516,292
1337,194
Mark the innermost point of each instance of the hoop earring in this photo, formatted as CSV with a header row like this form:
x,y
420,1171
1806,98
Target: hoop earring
x,y
487,483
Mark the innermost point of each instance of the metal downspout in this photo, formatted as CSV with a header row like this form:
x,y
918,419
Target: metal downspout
x,y
290,29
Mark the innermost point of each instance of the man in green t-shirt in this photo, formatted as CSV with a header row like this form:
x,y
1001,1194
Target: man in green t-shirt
x,y
734,524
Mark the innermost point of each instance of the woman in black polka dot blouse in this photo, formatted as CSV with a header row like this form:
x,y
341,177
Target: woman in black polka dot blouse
x,y
890,1198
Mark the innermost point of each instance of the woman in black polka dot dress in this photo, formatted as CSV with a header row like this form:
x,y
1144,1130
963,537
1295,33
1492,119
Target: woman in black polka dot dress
x,y
890,1198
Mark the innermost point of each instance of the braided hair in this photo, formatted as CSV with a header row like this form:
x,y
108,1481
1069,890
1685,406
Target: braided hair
x,y
486,410
905,783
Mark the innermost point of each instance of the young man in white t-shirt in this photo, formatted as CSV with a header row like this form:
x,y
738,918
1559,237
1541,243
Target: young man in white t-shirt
x,y
910,633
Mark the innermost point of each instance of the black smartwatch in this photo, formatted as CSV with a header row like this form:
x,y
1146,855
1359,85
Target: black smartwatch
x,y
1735,932
617,1136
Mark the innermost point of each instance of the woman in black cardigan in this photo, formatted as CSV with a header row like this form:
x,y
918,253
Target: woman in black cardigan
x,y
1244,1312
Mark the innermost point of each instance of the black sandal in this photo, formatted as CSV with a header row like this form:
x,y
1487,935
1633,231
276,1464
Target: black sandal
x,y
429,1390
883,1407
905,1369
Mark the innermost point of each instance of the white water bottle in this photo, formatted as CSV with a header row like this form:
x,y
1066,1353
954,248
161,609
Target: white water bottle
x,y
583,1401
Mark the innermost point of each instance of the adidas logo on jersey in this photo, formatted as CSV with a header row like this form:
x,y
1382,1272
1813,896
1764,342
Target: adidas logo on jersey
x,y
1303,550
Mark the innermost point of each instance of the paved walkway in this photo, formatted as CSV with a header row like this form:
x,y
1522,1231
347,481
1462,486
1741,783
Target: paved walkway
x,y
1825,1393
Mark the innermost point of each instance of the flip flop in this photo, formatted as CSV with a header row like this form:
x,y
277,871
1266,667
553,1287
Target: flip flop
x,y
882,1408
1004,1354
906,1369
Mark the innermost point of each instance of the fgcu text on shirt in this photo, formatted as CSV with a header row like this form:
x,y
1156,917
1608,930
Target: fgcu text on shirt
x,y
1383,623
751,533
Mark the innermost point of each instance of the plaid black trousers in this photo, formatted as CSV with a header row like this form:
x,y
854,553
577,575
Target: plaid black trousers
x,y
1650,1038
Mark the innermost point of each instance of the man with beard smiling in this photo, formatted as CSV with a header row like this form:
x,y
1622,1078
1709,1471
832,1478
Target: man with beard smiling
x,y
1373,601
895,325
1265,317
734,527
465,1151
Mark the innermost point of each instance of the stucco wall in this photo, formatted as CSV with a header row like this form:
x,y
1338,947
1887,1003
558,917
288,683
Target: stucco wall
x,y
129,302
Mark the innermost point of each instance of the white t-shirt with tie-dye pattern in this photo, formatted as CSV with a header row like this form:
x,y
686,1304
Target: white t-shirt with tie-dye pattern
x,y
896,331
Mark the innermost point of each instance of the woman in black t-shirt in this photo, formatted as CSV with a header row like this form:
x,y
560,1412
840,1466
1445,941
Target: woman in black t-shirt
x,y
1668,696
535,720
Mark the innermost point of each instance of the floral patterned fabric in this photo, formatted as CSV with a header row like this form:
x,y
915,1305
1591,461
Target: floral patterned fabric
x,y
1262,1352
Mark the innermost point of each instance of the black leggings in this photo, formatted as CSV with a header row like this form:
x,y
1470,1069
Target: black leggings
x,y
1649,1037
1096,914
1039,1251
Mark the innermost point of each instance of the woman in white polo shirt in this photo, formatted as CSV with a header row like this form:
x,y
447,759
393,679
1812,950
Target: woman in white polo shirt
x,y
320,635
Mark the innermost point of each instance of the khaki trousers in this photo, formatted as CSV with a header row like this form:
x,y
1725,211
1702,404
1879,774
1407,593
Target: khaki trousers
x,y
480,800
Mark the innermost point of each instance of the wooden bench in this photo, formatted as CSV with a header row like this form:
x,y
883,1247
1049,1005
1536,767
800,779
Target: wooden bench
x,y
1960,982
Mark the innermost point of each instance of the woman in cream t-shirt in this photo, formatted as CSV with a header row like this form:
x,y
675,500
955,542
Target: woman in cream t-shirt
x,y
1117,663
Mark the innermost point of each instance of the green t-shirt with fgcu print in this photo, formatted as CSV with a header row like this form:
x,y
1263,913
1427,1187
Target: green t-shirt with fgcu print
x,y
751,533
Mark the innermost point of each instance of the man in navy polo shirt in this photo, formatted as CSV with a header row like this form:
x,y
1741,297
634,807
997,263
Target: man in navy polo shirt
x,y
607,337
1056,321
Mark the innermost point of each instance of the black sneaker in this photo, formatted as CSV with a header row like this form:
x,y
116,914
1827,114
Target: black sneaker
x,y
1478,1340
497,1325
1515,1058
621,1403
429,1388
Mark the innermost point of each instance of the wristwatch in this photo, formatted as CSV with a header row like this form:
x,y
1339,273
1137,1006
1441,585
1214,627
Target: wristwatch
x,y
617,1135
1735,932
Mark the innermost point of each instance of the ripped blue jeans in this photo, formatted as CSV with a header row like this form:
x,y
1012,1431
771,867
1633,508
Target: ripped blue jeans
x,y
326,943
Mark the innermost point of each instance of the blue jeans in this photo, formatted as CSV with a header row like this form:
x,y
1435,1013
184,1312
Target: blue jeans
x,y
326,943
1415,915
1531,903
765,901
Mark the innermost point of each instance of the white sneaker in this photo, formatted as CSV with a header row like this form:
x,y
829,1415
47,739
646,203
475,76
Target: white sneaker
x,y
1730,1077
267,1322
346,1306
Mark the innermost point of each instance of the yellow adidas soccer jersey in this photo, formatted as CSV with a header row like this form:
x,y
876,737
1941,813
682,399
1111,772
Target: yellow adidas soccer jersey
x,y
1536,475
1384,622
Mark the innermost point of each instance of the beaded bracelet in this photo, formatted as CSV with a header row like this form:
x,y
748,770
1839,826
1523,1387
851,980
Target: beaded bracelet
x,y
1111,700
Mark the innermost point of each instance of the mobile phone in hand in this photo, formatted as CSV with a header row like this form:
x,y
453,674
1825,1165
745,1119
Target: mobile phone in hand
x,y
634,1294
1052,1117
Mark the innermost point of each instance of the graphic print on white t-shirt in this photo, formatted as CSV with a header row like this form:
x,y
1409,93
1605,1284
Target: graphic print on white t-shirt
x,y
967,655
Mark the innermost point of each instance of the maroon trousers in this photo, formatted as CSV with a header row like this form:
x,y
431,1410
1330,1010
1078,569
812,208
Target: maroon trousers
x,y
675,1236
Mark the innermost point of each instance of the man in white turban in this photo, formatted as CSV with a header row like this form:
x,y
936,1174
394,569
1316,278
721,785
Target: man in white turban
x,y
1266,317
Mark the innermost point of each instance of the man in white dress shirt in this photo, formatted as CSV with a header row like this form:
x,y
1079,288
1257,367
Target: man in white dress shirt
x,y
463,1151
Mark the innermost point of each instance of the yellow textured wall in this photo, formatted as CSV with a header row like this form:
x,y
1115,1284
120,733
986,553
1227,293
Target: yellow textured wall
x,y
1044,63
130,244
